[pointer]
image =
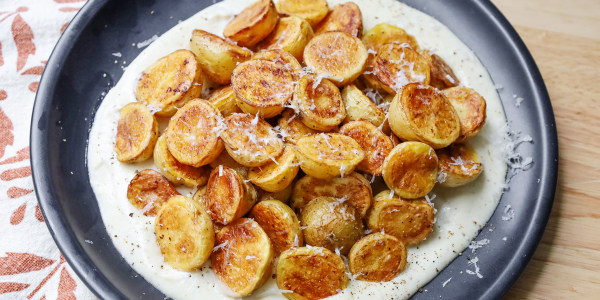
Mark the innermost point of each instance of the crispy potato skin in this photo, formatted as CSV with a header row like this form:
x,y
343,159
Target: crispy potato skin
x,y
224,100
137,131
460,164
282,57
328,155
319,103
253,24
377,257
313,11
344,17
280,223
397,65
170,82
184,233
175,171
228,196
471,109
411,169
376,145
276,176
149,190
442,76
360,107
291,34
292,127
283,196
311,273
243,262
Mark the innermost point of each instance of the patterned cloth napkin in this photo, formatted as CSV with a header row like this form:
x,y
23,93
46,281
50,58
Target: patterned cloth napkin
x,y
31,266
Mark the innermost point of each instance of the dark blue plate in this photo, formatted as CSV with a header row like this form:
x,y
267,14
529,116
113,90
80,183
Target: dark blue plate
x,y
71,90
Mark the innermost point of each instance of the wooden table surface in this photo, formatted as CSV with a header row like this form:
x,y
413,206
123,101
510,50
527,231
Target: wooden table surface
x,y
564,39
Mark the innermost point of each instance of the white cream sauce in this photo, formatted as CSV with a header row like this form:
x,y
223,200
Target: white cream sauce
x,y
461,212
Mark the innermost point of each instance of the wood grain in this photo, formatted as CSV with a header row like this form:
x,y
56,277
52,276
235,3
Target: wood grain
x,y
564,39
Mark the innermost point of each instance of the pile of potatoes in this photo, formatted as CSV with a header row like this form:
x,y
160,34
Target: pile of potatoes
x,y
284,153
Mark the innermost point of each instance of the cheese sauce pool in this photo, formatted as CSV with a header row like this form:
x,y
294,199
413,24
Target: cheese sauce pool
x,y
461,212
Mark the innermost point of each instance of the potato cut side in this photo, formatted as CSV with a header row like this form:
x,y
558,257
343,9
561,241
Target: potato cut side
x,y
344,17
291,128
471,109
360,107
170,82
398,65
313,11
376,145
276,175
410,221
137,131
337,56
250,140
226,160
330,223
310,273
280,223
175,171
442,76
353,189
283,195
411,170
459,164
328,155
291,34
225,101
148,190
282,57
262,87
422,113
253,24
216,56
243,257
192,133
318,103
184,233
228,195
377,257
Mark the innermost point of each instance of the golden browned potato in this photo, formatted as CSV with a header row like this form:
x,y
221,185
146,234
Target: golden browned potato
x,y
148,190
276,175
216,56
253,24
192,133
310,273
411,169
376,145
283,195
250,140
442,76
459,164
312,11
422,113
354,189
262,87
328,155
170,82
398,65
360,107
199,197
226,160
175,171
337,56
411,221
291,34
470,107
280,223
318,103
292,129
288,61
184,234
224,100
243,258
228,195
344,17
137,131
331,223
377,257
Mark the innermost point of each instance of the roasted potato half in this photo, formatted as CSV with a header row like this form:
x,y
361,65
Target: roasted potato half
x,y
411,221
411,170
337,56
225,101
291,128
262,87
137,131
226,160
459,164
331,223
470,107
175,171
344,17
360,107
148,190
170,82
313,11
184,233
398,65
250,140
353,189
276,175
422,113
192,133
377,257
283,58
228,195
291,34
243,258
318,103
376,145
310,273
253,24
216,56
328,155
280,223
442,76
